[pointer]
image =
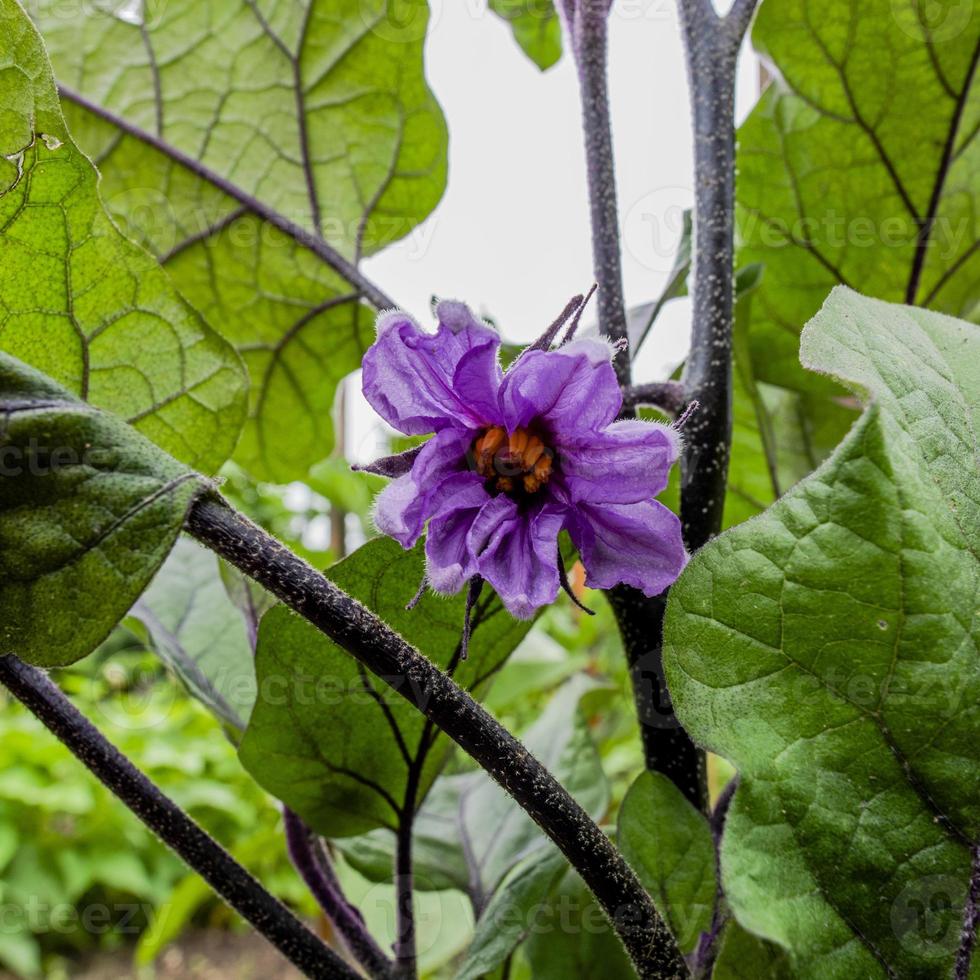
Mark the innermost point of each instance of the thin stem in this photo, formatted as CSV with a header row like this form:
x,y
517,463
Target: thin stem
x,y
301,844
446,705
711,48
40,695
587,25
308,239
707,949
405,951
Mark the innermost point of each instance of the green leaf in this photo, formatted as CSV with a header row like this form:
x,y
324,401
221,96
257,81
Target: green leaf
x,y
536,28
80,302
336,744
742,956
828,649
668,844
572,938
470,834
193,626
319,112
509,915
89,510
865,141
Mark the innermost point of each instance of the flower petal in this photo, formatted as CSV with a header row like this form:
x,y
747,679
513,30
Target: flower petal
x,y
572,389
625,463
449,562
517,553
402,508
409,375
634,544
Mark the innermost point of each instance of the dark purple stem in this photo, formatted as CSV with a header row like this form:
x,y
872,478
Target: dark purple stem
x,y
40,695
415,678
707,949
711,45
301,844
587,24
667,395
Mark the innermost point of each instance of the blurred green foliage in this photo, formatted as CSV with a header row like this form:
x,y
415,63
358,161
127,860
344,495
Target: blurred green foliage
x,y
77,870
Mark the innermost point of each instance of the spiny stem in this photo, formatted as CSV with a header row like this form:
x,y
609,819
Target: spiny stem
x,y
415,678
40,695
302,851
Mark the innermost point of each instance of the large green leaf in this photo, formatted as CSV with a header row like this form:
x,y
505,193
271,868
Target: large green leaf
x,y
89,509
192,624
333,742
828,649
318,111
668,844
80,302
863,149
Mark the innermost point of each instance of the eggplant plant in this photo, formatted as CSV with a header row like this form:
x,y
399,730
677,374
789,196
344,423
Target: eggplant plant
x,y
783,534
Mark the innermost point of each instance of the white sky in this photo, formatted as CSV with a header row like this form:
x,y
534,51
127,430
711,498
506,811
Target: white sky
x,y
511,235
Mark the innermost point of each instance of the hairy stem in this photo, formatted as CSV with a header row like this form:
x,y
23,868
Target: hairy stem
x,y
440,699
587,25
302,847
39,694
711,46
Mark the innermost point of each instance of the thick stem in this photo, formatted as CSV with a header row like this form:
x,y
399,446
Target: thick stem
x,y
711,47
667,748
440,699
587,23
302,851
219,869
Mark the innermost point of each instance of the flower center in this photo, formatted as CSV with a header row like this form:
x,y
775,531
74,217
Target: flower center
x,y
512,463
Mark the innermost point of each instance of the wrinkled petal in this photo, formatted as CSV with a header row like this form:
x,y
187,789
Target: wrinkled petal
x,y
449,562
635,544
402,508
625,463
572,389
517,553
410,376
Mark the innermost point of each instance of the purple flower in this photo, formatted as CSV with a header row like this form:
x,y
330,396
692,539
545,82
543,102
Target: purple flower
x,y
516,458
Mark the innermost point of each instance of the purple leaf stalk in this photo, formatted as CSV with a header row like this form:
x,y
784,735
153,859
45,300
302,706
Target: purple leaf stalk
x,y
517,458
